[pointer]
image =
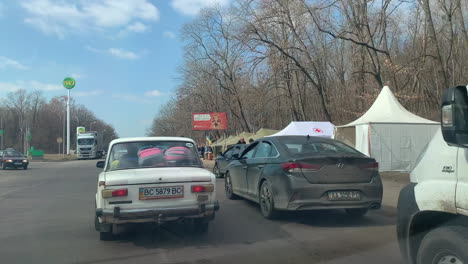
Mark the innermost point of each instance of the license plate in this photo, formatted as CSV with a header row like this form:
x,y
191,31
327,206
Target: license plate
x,y
18,163
167,192
344,196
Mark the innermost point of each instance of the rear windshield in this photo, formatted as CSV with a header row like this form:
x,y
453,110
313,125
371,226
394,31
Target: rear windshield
x,y
305,147
153,154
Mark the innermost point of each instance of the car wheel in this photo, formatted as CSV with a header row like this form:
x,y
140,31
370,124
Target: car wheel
x,y
200,225
216,171
444,245
228,187
267,205
25,167
357,212
106,236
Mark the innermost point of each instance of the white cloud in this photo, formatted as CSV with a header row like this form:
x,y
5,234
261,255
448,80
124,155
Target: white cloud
x,y
154,93
119,53
77,76
137,27
61,17
87,93
169,34
192,7
131,98
29,85
10,63
123,54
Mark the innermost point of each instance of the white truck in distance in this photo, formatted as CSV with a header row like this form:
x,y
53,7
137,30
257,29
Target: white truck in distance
x,y
89,145
432,224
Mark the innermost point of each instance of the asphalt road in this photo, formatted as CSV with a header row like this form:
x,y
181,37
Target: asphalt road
x,y
46,216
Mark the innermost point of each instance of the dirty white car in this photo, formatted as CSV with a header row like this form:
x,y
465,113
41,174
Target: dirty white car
x,y
153,179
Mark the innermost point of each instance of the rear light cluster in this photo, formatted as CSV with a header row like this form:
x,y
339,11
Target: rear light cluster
x,y
299,167
114,193
202,188
370,166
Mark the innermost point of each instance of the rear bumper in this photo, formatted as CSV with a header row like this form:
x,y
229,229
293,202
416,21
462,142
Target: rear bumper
x,y
159,215
315,196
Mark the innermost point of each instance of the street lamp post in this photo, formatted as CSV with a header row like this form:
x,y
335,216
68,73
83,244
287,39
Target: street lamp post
x,y
68,83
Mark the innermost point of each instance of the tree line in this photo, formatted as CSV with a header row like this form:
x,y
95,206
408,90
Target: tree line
x,y
29,119
269,62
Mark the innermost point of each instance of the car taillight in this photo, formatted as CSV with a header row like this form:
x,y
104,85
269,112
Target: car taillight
x,y
370,166
114,193
120,192
202,188
299,167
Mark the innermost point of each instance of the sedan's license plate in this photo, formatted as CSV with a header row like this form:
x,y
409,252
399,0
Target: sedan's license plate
x,y
344,196
161,192
18,163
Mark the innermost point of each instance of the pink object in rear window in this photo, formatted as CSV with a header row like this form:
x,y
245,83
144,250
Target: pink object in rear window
x,y
149,152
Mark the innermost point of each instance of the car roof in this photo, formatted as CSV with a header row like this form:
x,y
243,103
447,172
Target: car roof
x,y
138,139
312,138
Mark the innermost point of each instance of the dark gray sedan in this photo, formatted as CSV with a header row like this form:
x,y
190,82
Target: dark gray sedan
x,y
298,173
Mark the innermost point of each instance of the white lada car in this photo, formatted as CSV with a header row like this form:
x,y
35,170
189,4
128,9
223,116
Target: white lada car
x,y
153,179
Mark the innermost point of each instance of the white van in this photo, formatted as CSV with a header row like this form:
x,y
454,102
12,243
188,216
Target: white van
x,y
432,222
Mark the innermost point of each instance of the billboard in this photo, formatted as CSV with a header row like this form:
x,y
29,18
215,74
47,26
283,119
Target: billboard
x,y
208,121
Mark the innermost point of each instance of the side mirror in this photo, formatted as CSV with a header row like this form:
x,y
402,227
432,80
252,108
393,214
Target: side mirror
x,y
220,155
100,164
235,156
454,117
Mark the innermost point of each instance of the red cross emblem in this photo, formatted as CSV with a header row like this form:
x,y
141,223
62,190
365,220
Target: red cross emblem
x,y
317,130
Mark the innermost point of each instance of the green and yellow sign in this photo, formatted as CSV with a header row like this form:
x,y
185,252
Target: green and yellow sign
x,y
68,82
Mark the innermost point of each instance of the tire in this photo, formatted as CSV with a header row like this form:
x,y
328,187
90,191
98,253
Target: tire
x,y
357,212
216,171
200,226
25,167
266,201
228,188
442,245
106,236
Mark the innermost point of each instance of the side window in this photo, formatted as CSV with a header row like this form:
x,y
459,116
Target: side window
x,y
249,154
263,150
228,153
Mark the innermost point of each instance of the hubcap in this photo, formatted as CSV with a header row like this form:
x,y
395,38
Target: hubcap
x,y
449,259
265,198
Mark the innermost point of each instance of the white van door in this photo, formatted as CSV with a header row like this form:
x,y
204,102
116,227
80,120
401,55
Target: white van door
x,y
462,185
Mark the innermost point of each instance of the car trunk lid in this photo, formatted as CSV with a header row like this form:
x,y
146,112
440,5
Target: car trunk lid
x,y
157,176
337,169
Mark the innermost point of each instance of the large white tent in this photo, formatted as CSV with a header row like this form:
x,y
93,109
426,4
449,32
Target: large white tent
x,y
389,133
317,129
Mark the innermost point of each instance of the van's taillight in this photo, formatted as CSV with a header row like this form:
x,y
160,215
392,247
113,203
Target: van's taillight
x,y
370,166
202,188
114,193
299,167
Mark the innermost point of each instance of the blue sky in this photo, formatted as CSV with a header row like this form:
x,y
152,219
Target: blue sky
x,y
123,54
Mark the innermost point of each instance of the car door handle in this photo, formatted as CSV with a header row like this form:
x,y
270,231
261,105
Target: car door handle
x,y
261,166
245,167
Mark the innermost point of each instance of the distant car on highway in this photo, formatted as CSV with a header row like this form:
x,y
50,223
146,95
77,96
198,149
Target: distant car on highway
x,y
153,179
298,173
13,159
222,161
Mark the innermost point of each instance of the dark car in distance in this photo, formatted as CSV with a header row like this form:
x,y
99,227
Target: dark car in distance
x,y
298,173
13,159
223,159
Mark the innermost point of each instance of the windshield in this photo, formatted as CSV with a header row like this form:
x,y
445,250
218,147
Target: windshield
x,y
12,154
153,154
85,141
305,147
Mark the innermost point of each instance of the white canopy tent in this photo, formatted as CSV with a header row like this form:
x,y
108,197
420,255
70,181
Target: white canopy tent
x,y
317,129
389,133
